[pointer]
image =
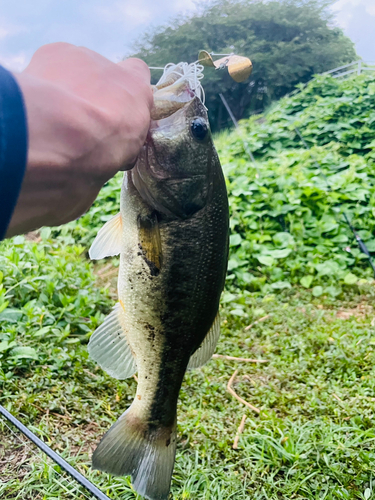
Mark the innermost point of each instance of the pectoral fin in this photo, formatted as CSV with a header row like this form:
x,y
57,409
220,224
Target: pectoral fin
x,y
207,348
108,240
109,347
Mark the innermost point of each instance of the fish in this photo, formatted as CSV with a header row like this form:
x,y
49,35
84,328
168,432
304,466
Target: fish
x,y
172,237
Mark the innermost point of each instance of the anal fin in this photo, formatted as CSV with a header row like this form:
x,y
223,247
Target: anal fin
x,y
109,347
207,348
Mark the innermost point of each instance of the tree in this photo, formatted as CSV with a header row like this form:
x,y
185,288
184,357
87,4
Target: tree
x,y
288,42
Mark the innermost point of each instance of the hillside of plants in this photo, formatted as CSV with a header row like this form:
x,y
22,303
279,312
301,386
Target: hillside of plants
x,y
299,296
288,224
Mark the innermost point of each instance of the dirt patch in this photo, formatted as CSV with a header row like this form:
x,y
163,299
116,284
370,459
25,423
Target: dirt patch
x,y
361,311
17,452
13,458
33,236
107,278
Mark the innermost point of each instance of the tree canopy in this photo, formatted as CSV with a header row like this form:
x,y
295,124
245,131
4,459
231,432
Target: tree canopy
x,y
288,42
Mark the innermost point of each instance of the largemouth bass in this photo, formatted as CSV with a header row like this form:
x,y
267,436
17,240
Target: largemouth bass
x,y
172,237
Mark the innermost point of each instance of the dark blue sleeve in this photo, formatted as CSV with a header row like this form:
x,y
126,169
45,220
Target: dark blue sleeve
x,y
13,146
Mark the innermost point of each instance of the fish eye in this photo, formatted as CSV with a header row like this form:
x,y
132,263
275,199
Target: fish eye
x,y
199,128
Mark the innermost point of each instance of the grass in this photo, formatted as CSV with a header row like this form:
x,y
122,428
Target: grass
x,y
314,437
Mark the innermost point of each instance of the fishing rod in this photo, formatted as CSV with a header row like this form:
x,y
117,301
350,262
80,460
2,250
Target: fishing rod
x,y
77,476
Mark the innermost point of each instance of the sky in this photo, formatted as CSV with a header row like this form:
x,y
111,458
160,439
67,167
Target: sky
x,y
111,26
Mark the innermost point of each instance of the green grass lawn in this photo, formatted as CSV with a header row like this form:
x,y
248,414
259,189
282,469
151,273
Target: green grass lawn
x,y
313,439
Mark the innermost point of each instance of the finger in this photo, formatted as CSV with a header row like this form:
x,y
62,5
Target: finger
x,y
137,67
95,56
49,52
129,164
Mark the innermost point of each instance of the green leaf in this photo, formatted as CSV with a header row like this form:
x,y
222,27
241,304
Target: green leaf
x,y
317,291
235,239
328,268
266,260
228,297
281,285
4,345
280,254
18,240
24,352
284,239
3,306
233,264
306,281
45,233
238,312
333,291
370,245
11,315
350,279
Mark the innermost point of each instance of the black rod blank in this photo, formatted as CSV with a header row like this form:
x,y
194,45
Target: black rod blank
x,y
54,456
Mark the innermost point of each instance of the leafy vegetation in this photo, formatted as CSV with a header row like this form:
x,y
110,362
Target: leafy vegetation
x,y
288,207
288,41
294,297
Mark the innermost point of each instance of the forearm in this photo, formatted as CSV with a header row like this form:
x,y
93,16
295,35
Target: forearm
x,y
61,157
87,118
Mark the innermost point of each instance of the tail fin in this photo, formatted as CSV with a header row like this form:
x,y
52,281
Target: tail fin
x,y
131,447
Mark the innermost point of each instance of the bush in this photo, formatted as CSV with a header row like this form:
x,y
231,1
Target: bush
x,y
287,208
287,222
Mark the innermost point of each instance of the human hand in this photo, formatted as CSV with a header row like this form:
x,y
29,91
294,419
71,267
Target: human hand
x,y
87,119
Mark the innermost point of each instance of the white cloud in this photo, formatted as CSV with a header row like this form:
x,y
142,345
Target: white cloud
x,y
125,12
184,5
8,28
16,62
346,9
357,18
138,14
111,26
3,33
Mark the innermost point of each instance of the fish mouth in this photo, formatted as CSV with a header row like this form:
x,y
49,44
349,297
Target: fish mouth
x,y
167,130
169,99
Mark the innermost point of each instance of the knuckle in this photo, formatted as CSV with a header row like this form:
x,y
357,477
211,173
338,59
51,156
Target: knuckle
x,y
138,66
56,47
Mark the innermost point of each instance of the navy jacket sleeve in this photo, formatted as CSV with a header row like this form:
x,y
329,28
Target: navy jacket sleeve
x,y
13,146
